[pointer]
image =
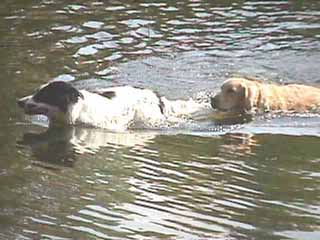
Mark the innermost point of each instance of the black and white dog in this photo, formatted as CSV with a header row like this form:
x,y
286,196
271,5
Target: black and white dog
x,y
113,108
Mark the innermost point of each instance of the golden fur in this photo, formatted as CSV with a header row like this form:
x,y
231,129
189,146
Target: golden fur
x,y
247,95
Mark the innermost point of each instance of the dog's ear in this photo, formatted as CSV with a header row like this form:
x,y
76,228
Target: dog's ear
x,y
250,96
69,96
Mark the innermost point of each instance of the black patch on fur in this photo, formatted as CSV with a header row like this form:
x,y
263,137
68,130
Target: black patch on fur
x,y
108,94
59,94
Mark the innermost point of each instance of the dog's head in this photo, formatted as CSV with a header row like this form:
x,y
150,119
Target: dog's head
x,y
236,95
50,99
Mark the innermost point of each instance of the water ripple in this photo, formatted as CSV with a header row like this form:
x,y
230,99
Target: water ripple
x,y
257,180
251,27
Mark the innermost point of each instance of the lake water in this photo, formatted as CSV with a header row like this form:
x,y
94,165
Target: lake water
x,y
254,180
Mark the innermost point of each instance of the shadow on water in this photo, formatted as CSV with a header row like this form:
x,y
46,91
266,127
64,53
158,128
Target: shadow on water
x,y
60,146
52,147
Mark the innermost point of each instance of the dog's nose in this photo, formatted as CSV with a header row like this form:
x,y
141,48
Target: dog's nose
x,y
21,103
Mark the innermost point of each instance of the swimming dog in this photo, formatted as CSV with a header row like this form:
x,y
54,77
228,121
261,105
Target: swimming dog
x,y
249,95
114,108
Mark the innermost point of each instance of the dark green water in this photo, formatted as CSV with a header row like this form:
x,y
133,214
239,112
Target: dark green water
x,y
258,180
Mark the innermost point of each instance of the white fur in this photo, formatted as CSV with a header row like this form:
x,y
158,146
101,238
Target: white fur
x,y
130,108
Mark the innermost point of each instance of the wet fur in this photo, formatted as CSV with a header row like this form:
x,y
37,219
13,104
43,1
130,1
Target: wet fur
x,y
249,95
114,108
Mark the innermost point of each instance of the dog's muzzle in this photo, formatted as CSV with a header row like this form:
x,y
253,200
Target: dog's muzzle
x,y
29,107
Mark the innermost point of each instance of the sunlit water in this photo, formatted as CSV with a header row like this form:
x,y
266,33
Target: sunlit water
x,y
205,179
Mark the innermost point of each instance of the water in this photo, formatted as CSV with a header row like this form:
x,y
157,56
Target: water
x,y
254,180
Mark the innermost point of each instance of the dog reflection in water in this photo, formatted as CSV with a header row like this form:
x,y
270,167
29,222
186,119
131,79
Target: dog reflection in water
x,y
239,145
60,147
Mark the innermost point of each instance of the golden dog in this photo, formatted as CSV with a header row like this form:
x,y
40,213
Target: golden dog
x,y
247,95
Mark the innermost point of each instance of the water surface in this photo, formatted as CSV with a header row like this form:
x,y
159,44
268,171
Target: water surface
x,y
254,180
